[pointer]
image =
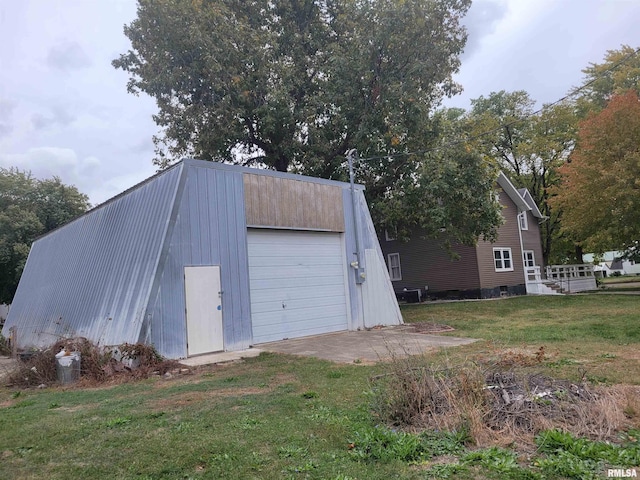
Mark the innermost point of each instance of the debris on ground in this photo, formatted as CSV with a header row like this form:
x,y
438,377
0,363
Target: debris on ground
x,y
500,405
97,364
426,327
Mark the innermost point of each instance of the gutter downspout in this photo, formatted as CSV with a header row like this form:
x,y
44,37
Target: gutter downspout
x,y
524,267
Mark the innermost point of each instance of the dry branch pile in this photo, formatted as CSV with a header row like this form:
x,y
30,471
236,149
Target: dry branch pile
x,y
97,364
501,406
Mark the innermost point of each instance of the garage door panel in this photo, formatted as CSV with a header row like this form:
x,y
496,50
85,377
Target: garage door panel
x,y
296,304
275,250
296,326
297,282
297,271
291,282
289,260
302,293
304,315
300,237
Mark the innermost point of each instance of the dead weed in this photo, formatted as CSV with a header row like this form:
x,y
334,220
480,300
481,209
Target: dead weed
x,y
500,405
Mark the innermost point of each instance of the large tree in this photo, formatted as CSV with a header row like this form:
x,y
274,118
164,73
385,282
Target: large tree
x,y
529,147
295,84
600,191
452,184
28,209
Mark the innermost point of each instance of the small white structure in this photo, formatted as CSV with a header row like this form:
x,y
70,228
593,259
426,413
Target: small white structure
x,y
612,263
572,278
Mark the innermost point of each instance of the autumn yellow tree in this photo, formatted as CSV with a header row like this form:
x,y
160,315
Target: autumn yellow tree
x,y
600,190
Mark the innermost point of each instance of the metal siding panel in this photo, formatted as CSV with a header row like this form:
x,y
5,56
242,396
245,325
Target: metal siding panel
x,y
92,276
355,299
209,229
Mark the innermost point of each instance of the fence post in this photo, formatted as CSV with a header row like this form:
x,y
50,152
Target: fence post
x,y
13,340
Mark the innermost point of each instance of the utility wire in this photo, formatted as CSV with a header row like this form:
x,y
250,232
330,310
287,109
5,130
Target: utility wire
x,y
574,92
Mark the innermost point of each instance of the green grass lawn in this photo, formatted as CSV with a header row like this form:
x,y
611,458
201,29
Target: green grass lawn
x,y
621,279
280,417
596,334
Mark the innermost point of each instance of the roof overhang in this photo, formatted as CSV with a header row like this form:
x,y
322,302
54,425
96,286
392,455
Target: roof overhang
x,y
512,192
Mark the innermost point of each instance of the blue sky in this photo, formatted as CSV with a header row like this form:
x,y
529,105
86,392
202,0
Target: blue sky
x,y
65,111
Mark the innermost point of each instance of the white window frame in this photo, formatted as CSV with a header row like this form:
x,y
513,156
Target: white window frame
x,y
523,221
528,263
499,263
393,275
388,237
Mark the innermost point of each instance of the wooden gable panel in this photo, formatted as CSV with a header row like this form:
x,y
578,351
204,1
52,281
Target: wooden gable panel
x,y
285,203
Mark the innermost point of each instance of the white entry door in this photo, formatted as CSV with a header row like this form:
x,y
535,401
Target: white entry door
x,y
204,309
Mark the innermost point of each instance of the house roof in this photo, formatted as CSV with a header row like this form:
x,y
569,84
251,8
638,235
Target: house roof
x,y
511,191
616,264
524,193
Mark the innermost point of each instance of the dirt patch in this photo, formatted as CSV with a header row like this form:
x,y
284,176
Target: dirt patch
x,y
186,398
425,327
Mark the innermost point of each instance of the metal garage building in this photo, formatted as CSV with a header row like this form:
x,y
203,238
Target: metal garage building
x,y
206,257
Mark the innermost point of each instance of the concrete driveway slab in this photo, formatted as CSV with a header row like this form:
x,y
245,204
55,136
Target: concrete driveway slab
x,y
366,346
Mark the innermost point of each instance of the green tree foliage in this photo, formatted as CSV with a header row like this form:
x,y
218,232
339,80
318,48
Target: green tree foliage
x,y
28,209
618,73
600,191
529,149
294,84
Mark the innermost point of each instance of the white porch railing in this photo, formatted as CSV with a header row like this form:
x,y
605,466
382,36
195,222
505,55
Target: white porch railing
x,y
572,278
533,274
535,284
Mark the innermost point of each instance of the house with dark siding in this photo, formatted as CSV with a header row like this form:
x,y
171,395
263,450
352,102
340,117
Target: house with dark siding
x,y
422,267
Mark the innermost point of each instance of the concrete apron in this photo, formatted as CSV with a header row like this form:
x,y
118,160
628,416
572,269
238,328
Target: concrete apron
x,y
365,346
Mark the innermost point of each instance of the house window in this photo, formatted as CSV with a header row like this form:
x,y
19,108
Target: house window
x,y
522,219
502,259
388,237
529,259
394,266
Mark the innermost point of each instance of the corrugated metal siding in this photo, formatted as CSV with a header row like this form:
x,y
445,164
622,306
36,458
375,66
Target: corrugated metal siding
x,y
368,241
531,239
355,294
379,301
296,204
209,229
92,277
508,237
424,262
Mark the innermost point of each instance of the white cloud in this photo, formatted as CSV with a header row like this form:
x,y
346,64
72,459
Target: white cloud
x,y
98,179
68,55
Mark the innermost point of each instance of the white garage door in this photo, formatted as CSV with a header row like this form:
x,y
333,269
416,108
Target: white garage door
x,y
297,284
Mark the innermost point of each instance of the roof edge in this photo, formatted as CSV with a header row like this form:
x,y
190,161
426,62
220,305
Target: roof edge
x,y
513,193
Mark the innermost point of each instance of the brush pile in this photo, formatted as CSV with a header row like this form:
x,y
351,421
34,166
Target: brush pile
x,y
97,364
500,406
